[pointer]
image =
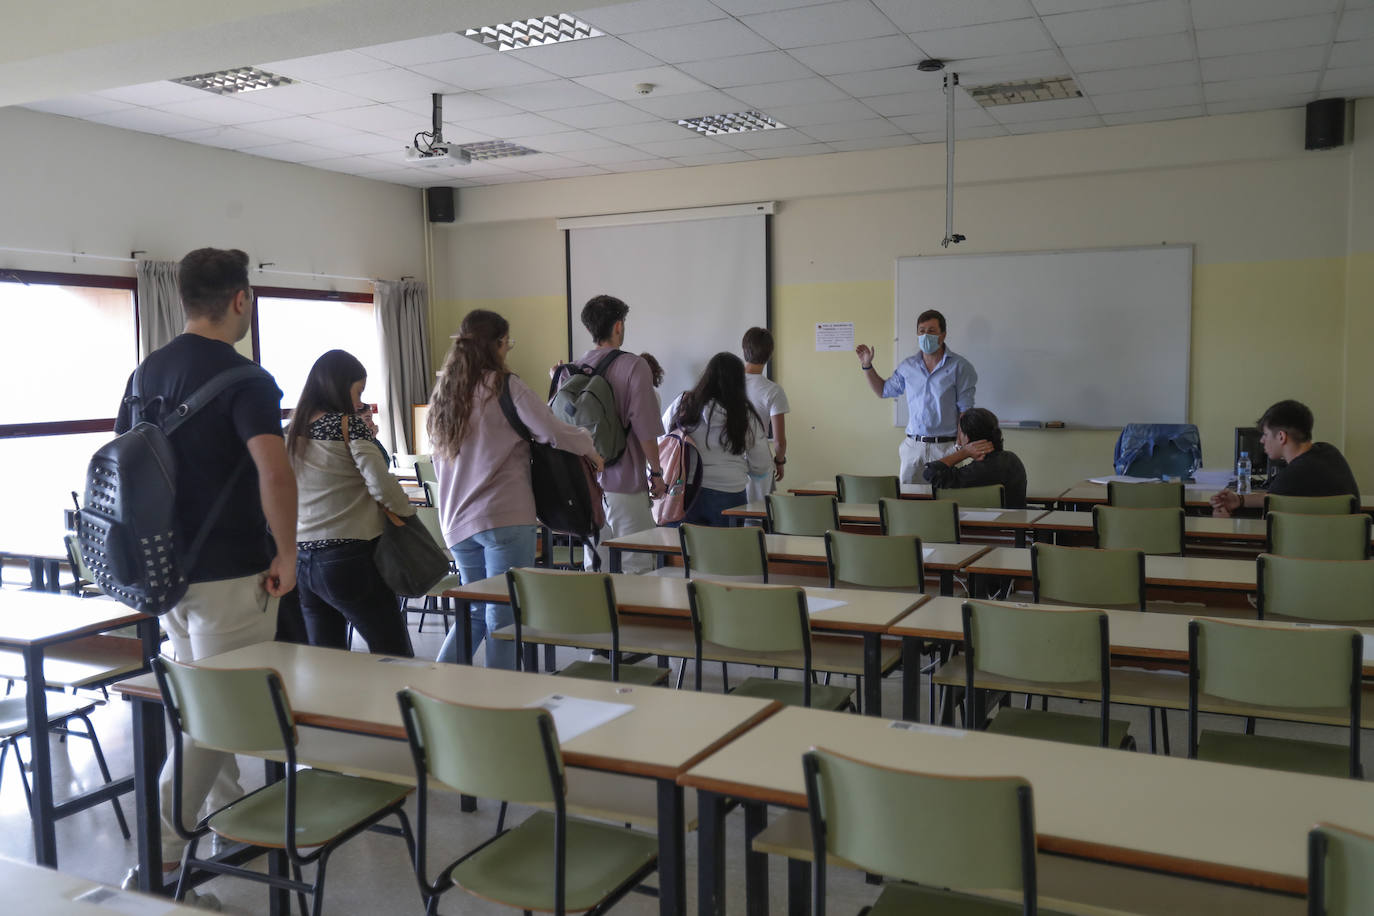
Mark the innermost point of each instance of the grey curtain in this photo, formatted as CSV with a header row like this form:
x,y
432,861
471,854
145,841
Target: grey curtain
x,y
160,317
402,309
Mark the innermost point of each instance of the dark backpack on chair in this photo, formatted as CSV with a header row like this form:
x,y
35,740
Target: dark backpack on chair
x,y
127,529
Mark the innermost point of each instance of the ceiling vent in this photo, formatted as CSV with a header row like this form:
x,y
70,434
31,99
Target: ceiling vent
x,y
738,122
531,33
1022,91
231,82
494,149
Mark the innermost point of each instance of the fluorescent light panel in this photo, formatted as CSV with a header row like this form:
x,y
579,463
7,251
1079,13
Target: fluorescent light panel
x,y
738,122
1022,91
531,33
494,149
231,82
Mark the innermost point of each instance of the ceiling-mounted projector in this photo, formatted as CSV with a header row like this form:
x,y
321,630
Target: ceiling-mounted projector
x,y
437,156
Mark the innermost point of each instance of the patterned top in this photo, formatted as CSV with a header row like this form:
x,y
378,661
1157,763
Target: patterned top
x,y
329,428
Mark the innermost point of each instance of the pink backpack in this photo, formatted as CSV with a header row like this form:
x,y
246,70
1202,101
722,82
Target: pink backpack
x,y
681,463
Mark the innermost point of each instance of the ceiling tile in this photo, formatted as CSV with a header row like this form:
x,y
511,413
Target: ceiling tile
x,y
1264,104
1041,127
849,20
867,143
699,41
964,133
352,165
714,158
691,104
360,143
427,50
586,57
994,38
1138,20
576,171
907,103
1263,87
763,139
1053,110
306,98
689,146
1172,97
293,152
301,129
888,82
1356,25
538,161
325,66
513,125
927,121
1351,54
394,85
641,16
1050,7
621,84
979,71
1153,114
1180,73
1245,66
78,106
792,92
562,142
951,14
852,130
227,138
1346,78
749,7
1265,36
154,94
546,95
1132,52
643,165
459,107
822,113
747,69
608,114
220,109
150,121
376,118
607,155
786,152
853,56
1212,14
485,72
648,132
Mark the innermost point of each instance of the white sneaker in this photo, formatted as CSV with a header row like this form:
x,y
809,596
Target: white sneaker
x,y
202,901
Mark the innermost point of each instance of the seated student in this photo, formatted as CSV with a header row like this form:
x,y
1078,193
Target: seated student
x,y
979,438
770,402
1313,468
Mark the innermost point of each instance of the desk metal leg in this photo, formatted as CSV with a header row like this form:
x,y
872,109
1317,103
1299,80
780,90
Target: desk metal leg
x,y
947,582
462,619
546,544
150,750
710,854
911,678
755,863
1020,537
798,888
615,559
873,675
40,759
36,575
672,850
277,864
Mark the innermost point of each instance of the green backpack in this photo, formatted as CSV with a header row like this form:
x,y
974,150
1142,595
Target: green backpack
x,y
582,396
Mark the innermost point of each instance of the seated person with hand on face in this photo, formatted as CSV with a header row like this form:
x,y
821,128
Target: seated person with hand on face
x,y
979,438
1312,469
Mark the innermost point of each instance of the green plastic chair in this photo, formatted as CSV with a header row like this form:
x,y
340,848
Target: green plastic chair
x,y
934,521
573,603
1154,531
1328,591
83,583
1319,537
1313,505
1340,872
853,488
550,862
812,516
245,711
761,619
1040,647
424,473
992,496
1088,577
723,551
863,814
1161,495
1274,671
434,601
875,560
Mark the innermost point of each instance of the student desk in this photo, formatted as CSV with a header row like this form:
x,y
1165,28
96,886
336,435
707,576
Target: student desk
x,y
666,734
45,892
44,555
1018,521
789,548
1253,532
865,613
1204,573
1034,494
1214,821
1087,493
35,625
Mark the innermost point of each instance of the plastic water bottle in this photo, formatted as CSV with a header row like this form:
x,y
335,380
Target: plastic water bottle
x,y
1243,474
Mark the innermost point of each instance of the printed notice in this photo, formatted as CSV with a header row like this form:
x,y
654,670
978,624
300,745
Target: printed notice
x,y
834,336
816,605
572,715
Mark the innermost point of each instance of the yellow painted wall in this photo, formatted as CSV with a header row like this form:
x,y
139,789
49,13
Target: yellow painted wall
x,y
1359,298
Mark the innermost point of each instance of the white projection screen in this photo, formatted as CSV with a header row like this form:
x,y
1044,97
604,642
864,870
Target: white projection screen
x,y
695,281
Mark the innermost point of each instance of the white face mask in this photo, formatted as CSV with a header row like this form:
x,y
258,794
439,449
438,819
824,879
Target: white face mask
x,y
929,343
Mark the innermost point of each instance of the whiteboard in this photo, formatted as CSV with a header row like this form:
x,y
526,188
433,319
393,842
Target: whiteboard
x,y
694,286
1097,337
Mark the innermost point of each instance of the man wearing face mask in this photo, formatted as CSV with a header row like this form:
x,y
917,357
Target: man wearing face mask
x,y
938,385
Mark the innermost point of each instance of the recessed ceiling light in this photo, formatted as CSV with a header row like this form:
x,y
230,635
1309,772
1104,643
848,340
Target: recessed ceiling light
x,y
1022,91
531,33
735,123
494,149
229,82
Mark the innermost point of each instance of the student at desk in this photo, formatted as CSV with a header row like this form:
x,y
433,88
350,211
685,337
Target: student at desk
x,y
1312,469
980,438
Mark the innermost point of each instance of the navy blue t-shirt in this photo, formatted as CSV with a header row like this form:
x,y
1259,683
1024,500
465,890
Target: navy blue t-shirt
x,y
209,446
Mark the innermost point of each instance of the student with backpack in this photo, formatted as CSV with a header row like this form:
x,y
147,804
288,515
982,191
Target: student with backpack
x,y
729,437
486,497
770,402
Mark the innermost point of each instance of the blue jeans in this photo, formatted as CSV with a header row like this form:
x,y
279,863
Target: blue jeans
x,y
710,504
490,553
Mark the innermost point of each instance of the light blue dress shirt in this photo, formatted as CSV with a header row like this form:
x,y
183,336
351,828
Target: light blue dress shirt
x,y
934,399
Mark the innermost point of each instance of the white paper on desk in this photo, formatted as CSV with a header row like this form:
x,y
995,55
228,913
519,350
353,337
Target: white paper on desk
x,y
573,716
407,662
1122,478
927,553
930,729
816,605
974,516
107,898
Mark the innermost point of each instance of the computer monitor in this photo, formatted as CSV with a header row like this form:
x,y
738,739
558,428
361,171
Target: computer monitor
x,y
1248,440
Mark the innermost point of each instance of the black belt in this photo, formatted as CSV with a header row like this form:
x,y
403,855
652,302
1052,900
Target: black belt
x,y
932,438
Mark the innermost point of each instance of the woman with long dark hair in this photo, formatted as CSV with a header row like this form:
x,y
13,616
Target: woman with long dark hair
x,y
486,499
728,433
343,485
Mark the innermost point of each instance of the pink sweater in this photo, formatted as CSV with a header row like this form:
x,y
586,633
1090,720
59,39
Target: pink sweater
x,y
488,484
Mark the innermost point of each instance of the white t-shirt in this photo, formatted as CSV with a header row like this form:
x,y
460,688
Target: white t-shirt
x,y
767,397
721,470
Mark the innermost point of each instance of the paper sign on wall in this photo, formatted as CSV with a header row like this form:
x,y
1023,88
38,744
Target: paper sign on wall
x,y
834,336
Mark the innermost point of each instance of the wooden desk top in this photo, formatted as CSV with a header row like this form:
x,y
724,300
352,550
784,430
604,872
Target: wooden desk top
x,y
863,610
1090,493
795,548
1194,526
45,892
827,488
1215,821
1174,572
30,618
668,731
867,514
25,544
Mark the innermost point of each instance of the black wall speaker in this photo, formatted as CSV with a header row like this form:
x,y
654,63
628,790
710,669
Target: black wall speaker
x,y
442,204
1325,124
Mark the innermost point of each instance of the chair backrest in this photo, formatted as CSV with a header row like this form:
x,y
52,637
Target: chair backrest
x,y
429,481
753,618
429,517
1346,504
232,709
516,759
1340,872
562,602
723,551
934,521
1334,591
855,488
1155,531
863,813
1086,576
1162,495
1319,537
992,496
1282,667
875,560
79,567
805,515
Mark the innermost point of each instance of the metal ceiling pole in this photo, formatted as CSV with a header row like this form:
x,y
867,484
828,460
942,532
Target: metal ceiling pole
x,y
951,237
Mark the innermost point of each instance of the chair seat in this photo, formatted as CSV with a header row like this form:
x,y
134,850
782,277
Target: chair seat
x,y
629,674
327,804
1290,754
516,868
1064,727
903,899
14,716
452,580
792,693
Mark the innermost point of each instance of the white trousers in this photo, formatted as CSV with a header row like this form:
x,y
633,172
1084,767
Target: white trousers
x,y
759,487
211,618
626,513
915,455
